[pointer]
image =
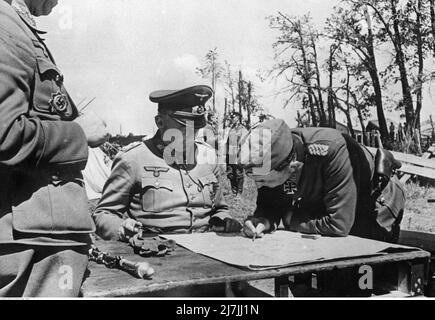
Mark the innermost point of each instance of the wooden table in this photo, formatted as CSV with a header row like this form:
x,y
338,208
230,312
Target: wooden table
x,y
184,269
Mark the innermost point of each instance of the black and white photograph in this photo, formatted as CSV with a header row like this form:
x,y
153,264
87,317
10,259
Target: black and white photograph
x,y
222,153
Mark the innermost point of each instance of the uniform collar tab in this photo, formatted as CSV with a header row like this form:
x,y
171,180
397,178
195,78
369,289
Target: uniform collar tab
x,y
24,13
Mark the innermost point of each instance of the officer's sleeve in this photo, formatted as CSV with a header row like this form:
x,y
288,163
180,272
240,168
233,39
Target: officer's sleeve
x,y
221,207
29,141
340,197
115,200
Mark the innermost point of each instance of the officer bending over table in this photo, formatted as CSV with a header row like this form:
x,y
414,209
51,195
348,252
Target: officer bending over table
x,y
321,182
167,185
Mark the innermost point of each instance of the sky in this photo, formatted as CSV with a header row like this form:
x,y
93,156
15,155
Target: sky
x,y
119,51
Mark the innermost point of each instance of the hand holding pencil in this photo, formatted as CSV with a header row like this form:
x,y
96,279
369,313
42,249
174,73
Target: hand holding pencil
x,y
254,228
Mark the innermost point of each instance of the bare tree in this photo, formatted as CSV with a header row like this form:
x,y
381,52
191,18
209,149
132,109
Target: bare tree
x,y
346,26
388,13
212,70
296,63
229,85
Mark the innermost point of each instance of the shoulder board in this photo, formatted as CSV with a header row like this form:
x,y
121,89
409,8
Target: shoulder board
x,y
318,149
131,146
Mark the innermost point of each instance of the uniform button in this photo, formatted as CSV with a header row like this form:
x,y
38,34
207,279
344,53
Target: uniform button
x,y
157,184
59,78
188,184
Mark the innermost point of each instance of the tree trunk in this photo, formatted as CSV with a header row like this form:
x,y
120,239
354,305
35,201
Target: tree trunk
x,y
213,82
225,113
400,60
240,95
299,119
347,113
319,112
433,129
321,108
419,91
248,105
307,76
373,71
383,129
312,111
432,19
349,123
331,111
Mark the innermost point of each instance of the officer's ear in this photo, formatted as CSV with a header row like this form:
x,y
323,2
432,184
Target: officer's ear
x,y
160,123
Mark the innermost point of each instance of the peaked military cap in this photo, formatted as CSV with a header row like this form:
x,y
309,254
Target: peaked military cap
x,y
184,106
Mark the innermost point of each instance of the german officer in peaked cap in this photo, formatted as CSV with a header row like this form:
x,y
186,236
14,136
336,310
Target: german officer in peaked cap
x,y
318,181
184,105
150,190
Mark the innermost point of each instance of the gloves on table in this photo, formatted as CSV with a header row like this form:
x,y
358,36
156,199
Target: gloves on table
x,y
151,246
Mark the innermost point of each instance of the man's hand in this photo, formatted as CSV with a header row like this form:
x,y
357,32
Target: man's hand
x,y
226,225
128,229
95,129
255,227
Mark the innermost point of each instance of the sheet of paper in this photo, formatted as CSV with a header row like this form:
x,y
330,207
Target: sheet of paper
x,y
281,248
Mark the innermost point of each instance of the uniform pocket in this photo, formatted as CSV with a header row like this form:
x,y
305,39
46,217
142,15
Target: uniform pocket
x,y
53,208
157,195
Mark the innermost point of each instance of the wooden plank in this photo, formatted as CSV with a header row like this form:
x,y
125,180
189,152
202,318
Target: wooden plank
x,y
184,269
423,161
419,171
422,240
413,165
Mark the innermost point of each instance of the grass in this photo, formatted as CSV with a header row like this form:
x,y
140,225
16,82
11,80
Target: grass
x,y
241,206
419,215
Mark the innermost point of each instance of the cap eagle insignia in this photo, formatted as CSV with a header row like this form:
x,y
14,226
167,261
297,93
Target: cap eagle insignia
x,y
201,97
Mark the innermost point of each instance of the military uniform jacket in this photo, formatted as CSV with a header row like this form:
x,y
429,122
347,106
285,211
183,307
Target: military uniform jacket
x,y
323,197
165,199
42,198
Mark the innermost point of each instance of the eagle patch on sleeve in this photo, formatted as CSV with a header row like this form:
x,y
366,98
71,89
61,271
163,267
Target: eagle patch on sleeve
x,y
317,149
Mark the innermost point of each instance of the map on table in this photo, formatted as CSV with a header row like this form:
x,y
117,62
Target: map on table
x,y
279,249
